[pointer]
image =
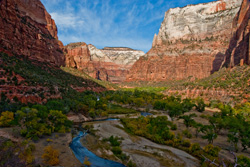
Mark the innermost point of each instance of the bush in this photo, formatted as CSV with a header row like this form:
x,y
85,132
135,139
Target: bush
x,y
116,150
86,162
212,150
114,141
131,164
243,161
50,156
92,114
173,127
187,133
200,105
6,118
194,148
186,143
55,105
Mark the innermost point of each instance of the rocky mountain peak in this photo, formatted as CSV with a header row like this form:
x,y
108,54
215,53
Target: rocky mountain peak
x,y
197,21
26,28
191,43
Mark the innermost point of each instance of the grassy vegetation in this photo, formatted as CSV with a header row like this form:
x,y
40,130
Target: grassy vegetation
x,y
37,73
16,154
115,143
231,79
83,75
117,109
155,129
147,89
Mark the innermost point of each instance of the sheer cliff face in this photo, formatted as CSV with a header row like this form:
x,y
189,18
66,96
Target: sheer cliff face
x,y
191,43
197,21
27,29
109,64
238,51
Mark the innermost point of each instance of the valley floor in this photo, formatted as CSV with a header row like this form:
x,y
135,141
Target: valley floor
x,y
143,152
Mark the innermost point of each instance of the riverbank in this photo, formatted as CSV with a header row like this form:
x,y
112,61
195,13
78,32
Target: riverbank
x,y
143,152
60,142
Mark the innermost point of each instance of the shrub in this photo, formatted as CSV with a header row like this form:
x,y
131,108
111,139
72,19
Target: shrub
x,y
6,118
50,156
243,161
114,141
86,162
131,164
92,114
200,105
194,148
173,127
55,105
49,140
116,150
186,143
187,133
212,150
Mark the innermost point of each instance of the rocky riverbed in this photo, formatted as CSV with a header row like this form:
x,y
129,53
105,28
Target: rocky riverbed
x,y
143,152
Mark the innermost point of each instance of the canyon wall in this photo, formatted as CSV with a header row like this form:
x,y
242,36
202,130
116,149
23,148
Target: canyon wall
x,y
238,51
108,64
27,29
191,43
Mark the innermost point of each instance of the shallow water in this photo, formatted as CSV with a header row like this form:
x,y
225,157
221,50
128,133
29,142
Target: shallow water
x,y
145,114
80,153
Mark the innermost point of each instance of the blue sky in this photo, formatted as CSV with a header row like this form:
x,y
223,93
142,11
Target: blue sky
x,y
128,23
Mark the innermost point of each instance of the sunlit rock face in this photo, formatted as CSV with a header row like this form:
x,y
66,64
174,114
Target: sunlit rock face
x,y
109,64
27,29
191,43
238,51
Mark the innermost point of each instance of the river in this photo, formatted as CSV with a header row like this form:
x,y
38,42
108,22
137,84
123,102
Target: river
x,y
82,152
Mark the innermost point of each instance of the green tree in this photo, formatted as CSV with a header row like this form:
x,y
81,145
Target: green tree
x,y
174,109
198,127
59,121
188,119
243,161
209,133
187,105
55,105
200,105
217,122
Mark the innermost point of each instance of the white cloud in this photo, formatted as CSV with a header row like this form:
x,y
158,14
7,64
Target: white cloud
x,y
64,21
108,22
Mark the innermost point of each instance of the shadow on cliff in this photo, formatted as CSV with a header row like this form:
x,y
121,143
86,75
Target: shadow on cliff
x,y
218,61
238,49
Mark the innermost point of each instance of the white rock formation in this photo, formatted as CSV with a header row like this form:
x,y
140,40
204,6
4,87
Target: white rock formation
x,y
195,20
121,56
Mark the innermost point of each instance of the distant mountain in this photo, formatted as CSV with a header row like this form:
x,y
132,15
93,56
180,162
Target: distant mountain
x,y
107,64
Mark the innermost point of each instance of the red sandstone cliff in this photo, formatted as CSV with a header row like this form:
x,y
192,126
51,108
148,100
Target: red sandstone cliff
x,y
238,52
108,64
191,43
27,29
